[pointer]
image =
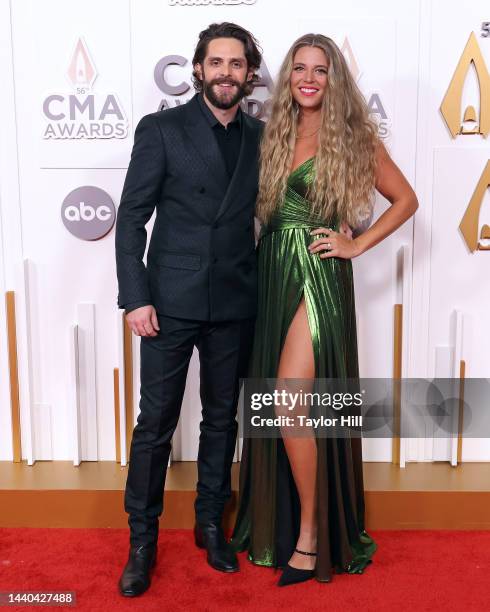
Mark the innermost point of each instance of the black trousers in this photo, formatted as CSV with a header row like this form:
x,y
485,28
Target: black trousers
x,y
224,351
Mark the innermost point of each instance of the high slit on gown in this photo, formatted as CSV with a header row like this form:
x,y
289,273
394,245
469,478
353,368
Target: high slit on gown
x,y
268,517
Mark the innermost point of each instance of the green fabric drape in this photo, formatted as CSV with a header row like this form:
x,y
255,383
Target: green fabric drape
x,y
268,517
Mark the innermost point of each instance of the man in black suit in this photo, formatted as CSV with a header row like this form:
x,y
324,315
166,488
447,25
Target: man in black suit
x,y
198,165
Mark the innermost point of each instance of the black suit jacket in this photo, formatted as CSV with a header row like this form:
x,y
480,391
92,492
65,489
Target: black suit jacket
x,y
201,261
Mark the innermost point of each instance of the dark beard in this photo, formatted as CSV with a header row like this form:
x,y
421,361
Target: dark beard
x,y
219,103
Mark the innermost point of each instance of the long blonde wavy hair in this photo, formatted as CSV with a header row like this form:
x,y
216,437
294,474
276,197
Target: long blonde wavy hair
x,y
345,160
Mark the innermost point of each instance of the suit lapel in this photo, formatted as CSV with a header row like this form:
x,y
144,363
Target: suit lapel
x,y
248,151
203,139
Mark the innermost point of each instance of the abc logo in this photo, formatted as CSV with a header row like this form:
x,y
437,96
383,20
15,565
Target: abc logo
x,y
88,213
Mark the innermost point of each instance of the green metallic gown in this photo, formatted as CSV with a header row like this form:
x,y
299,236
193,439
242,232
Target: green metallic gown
x,y
269,510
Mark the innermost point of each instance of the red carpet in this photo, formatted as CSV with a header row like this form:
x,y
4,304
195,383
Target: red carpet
x,y
412,570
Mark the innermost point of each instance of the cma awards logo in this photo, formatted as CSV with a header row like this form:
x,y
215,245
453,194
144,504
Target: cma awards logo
x,y
375,105
470,221
257,106
83,113
88,213
473,121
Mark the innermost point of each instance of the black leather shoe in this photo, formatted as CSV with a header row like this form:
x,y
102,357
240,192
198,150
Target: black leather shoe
x,y
220,554
136,576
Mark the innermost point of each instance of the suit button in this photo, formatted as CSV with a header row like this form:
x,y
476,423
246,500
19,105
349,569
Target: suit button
x,y
202,190
215,225
215,260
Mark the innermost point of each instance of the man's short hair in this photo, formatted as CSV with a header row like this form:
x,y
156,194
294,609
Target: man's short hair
x,y
253,53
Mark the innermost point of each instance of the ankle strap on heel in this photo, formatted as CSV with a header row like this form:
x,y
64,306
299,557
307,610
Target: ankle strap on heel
x,y
308,554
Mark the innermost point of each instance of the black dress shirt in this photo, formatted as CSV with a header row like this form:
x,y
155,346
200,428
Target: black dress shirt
x,y
228,138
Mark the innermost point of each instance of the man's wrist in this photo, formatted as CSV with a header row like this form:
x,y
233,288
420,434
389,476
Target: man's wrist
x,y
134,305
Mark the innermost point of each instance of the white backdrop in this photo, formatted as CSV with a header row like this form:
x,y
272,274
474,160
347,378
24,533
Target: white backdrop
x,y
404,55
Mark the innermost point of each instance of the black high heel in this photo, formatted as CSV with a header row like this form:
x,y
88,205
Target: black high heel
x,y
293,575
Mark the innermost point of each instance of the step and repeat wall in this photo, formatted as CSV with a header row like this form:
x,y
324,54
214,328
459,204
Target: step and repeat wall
x,y
76,80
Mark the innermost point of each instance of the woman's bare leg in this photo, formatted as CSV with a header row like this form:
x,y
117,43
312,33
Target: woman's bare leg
x,y
297,362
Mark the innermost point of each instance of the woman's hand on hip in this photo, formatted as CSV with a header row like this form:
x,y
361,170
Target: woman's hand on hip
x,y
334,244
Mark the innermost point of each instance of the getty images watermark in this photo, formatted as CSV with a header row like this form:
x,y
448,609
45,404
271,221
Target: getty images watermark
x,y
297,408
367,407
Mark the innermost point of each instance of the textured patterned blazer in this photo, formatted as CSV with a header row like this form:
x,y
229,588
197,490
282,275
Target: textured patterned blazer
x,y
201,261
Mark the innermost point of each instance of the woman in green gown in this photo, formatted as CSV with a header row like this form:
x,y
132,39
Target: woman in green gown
x,y
301,500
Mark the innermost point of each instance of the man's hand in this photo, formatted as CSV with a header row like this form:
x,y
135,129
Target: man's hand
x,y
143,321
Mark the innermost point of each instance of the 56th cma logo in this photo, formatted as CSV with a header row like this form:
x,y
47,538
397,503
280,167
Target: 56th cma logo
x,y
471,123
83,113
